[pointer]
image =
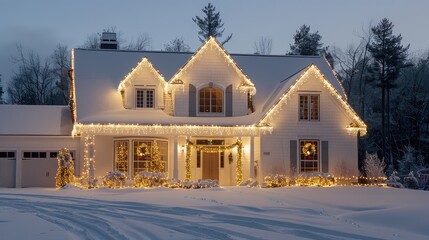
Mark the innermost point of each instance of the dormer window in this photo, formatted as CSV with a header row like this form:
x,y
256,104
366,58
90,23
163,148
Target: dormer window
x,y
145,98
210,100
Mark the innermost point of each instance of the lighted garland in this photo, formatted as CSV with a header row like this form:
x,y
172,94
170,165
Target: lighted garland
x,y
188,161
65,171
215,149
309,149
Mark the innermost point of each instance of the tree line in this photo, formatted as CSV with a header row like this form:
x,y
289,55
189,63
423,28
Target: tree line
x,y
384,85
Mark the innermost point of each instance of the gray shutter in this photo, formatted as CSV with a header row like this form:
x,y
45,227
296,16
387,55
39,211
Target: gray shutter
x,y
293,156
192,101
228,101
325,156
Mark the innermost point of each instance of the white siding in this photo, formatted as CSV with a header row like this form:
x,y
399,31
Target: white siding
x,y
275,147
210,66
144,79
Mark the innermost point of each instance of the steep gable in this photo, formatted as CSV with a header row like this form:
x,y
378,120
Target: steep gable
x,y
246,85
144,72
290,86
144,75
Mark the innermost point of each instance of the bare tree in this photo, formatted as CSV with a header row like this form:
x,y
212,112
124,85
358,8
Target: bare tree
x,y
92,41
348,61
34,81
177,45
143,42
263,46
61,64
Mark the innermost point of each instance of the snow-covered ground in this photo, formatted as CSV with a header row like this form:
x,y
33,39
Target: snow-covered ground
x,y
218,213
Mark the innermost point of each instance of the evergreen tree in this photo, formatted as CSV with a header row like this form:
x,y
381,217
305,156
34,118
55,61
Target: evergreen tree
x,y
389,57
210,25
177,45
306,43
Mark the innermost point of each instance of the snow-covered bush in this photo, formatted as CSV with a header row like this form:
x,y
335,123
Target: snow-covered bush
x,y
114,179
410,181
277,180
201,183
149,179
394,180
314,179
250,183
374,167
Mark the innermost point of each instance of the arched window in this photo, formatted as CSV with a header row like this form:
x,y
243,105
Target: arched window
x,y
211,100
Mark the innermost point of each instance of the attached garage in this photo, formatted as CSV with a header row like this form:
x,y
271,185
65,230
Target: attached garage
x,y
7,169
30,138
38,170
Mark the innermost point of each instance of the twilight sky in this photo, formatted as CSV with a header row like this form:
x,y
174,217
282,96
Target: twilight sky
x,y
42,24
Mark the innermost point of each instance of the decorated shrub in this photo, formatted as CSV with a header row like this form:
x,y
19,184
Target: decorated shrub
x,y
149,179
65,171
114,179
314,179
277,180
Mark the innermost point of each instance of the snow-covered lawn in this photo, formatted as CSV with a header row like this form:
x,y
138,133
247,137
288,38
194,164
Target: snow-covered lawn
x,y
218,213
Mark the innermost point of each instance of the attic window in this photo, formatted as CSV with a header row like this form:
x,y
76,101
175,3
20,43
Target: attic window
x,y
145,98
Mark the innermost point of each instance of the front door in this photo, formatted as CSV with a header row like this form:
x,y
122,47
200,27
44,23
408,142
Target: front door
x,y
211,166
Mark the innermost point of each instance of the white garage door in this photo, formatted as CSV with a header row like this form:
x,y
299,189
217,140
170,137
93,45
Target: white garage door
x,y
7,168
39,169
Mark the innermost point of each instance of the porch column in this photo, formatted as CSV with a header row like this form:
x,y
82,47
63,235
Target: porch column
x,y
252,157
175,158
89,158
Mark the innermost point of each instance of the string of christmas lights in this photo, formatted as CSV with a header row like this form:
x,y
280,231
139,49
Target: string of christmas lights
x,y
313,72
204,130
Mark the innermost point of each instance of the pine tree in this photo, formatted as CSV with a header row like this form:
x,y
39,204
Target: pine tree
x,y
389,57
210,25
306,43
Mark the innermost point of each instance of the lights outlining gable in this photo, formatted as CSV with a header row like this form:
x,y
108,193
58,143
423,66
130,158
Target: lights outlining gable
x,y
246,84
143,65
194,130
313,72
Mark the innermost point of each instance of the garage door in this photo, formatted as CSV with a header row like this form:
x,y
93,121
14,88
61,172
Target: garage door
x,y
39,169
7,168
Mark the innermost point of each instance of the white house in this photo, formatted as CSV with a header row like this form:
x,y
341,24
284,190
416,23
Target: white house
x,y
211,115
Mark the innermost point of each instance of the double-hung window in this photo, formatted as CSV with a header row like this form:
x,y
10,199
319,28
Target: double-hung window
x,y
309,107
210,100
145,98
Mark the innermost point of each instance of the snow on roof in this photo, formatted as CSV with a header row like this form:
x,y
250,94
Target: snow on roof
x,y
35,120
99,72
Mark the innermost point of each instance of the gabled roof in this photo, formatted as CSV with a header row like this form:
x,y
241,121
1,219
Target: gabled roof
x,y
98,74
211,42
289,86
143,65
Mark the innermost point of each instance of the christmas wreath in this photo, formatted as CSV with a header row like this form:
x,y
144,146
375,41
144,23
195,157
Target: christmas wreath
x,y
309,149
